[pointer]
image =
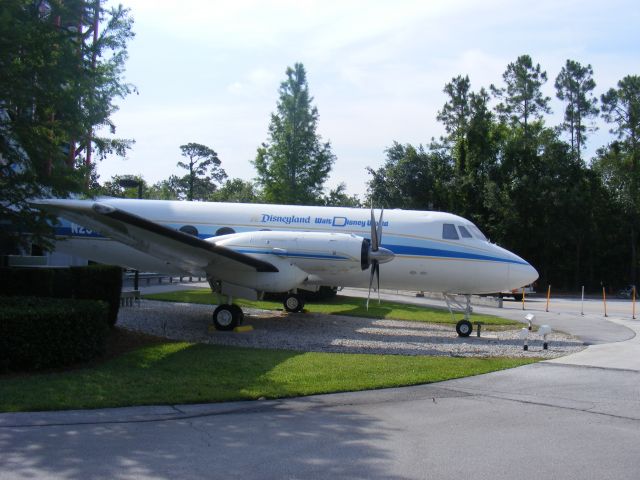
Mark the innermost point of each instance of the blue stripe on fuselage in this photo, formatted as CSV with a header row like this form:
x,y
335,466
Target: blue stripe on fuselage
x,y
441,253
73,230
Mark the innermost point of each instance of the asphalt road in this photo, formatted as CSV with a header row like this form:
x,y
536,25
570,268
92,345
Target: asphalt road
x,y
577,418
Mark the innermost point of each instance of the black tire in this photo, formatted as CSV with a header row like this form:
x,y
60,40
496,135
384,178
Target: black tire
x,y
225,317
240,314
464,328
293,302
517,297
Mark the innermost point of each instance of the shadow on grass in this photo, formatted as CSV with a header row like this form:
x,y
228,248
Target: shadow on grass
x,y
161,374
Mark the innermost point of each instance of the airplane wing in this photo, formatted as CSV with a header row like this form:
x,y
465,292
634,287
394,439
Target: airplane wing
x,y
172,246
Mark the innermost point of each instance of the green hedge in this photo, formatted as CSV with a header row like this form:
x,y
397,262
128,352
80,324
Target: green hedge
x,y
99,282
37,333
94,282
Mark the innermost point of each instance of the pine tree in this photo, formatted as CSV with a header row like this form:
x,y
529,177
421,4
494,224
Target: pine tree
x,y
203,171
574,84
293,166
522,98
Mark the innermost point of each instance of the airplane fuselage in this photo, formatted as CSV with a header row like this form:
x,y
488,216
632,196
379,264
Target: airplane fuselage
x,y
434,251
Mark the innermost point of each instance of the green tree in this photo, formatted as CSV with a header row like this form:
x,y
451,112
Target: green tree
x,y
204,170
619,161
238,191
455,116
338,197
574,84
60,75
481,175
293,166
113,187
621,108
413,178
470,126
522,98
168,189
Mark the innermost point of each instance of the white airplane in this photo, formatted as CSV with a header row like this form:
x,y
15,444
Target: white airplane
x,y
245,250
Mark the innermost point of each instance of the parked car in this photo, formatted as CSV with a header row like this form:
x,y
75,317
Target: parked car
x,y
516,293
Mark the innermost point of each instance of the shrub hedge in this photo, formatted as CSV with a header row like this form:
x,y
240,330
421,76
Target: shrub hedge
x,y
95,282
37,333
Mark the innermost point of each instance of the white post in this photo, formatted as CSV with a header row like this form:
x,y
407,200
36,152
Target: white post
x,y
582,308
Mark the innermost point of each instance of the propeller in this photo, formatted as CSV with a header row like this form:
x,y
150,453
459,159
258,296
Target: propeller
x,y
377,254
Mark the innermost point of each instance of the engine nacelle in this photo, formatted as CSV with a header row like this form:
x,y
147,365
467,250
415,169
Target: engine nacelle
x,y
320,254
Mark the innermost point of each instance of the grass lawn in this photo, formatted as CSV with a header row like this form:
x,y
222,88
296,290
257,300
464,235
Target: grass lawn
x,y
143,370
175,373
340,305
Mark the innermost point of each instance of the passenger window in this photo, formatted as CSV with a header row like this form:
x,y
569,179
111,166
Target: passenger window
x,y
449,232
464,232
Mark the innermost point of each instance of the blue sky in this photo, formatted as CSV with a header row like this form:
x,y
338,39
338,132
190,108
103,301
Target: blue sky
x,y
209,71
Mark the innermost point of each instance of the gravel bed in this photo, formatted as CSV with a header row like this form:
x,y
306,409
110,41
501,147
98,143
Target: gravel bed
x,y
335,333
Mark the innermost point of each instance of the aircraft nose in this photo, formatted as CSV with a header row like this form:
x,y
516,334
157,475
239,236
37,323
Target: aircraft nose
x,y
521,274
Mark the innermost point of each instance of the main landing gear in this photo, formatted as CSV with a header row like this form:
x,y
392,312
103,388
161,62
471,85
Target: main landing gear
x,y
464,326
293,302
228,316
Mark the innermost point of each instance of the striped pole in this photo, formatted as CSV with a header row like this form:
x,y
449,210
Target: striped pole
x,y
548,296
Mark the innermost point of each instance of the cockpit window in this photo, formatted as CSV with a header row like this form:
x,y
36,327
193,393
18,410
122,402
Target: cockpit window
x,y
464,232
476,231
449,232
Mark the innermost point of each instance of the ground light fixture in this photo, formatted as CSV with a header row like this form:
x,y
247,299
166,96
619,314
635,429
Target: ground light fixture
x,y
544,330
530,318
524,335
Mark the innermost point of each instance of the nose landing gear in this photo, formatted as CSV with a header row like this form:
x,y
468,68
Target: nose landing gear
x,y
464,326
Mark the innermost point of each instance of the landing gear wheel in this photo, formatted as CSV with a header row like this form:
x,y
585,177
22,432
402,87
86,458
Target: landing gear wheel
x,y
293,302
239,313
226,317
464,328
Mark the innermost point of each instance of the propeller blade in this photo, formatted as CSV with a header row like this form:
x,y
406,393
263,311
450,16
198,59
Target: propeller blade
x,y
378,279
377,254
374,232
380,228
373,265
